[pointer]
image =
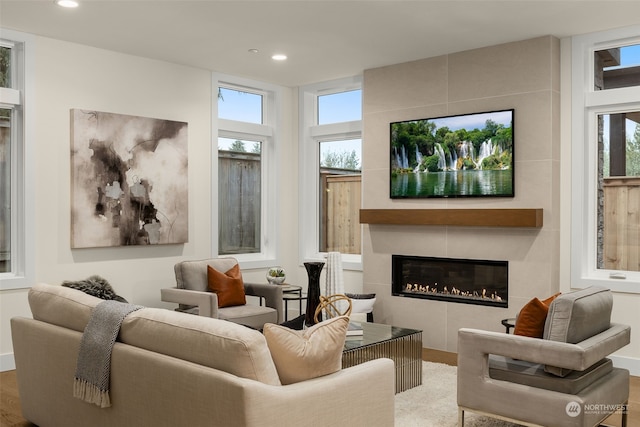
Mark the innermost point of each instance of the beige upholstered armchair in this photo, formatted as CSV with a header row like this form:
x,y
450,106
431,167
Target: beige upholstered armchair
x,y
562,379
194,296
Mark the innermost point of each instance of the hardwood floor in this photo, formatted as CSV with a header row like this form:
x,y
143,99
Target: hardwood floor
x,y
11,412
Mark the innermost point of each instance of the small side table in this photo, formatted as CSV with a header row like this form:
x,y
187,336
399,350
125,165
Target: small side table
x,y
292,293
508,324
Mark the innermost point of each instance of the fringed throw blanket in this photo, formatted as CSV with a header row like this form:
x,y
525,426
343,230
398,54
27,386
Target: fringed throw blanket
x,y
93,368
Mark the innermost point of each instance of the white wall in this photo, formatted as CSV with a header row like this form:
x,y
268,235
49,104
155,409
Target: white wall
x,y
73,76
70,76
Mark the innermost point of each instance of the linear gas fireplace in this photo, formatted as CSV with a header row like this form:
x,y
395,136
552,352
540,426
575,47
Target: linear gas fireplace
x,y
466,281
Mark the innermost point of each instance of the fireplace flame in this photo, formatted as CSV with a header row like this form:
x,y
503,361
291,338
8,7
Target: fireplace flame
x,y
416,288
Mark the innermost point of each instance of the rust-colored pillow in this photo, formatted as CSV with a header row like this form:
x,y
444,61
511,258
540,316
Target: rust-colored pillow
x,y
531,318
228,286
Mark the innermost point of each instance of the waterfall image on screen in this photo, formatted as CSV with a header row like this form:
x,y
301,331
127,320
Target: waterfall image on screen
x,y
468,155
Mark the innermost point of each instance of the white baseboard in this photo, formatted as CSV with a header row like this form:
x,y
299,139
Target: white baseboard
x,y
7,362
630,363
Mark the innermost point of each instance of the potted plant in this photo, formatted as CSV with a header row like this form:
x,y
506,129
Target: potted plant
x,y
276,275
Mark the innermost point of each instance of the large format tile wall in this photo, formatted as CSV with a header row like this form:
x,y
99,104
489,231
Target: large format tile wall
x,y
522,75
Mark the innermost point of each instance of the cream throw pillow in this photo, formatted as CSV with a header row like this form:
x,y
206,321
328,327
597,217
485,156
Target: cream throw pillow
x,y
306,354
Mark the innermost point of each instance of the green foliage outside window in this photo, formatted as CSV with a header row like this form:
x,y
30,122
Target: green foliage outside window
x,y
633,153
237,146
632,156
341,160
5,67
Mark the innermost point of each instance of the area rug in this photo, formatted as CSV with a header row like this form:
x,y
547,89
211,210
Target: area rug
x,y
433,404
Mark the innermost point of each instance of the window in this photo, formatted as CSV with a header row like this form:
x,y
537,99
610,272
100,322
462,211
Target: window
x,y
16,175
339,196
606,160
616,67
5,190
331,163
618,199
340,107
239,189
245,180
239,105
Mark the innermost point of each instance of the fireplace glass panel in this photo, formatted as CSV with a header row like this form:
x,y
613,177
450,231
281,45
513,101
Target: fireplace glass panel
x,y
467,281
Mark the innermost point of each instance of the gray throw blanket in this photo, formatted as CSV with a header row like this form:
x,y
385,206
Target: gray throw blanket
x,y
93,368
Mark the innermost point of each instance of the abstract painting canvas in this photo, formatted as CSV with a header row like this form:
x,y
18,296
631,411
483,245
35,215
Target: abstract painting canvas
x,y
128,180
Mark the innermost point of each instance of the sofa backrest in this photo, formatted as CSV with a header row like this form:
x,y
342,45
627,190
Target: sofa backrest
x,y
215,343
192,275
576,316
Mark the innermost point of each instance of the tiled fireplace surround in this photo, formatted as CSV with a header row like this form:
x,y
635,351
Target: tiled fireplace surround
x,y
522,75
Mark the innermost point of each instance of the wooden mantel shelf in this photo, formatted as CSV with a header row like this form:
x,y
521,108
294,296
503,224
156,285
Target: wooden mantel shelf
x,y
458,217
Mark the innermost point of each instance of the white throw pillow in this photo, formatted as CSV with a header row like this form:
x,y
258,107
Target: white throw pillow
x,y
362,303
306,354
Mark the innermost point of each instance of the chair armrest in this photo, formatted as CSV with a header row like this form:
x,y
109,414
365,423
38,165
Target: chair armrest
x,y
207,302
362,395
479,392
272,295
478,344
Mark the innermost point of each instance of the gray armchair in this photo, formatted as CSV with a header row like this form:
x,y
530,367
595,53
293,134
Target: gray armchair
x,y
193,296
563,379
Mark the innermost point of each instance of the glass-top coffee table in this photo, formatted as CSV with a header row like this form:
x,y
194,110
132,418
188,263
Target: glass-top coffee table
x,y
402,345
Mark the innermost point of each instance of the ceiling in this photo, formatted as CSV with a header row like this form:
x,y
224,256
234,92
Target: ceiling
x,y
324,40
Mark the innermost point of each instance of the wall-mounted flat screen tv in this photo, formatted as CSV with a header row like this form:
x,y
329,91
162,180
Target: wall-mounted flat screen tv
x,y
469,155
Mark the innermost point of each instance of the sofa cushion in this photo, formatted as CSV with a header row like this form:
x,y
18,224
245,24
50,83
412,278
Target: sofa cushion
x,y
61,306
576,316
254,316
532,317
533,374
209,342
215,343
228,286
310,353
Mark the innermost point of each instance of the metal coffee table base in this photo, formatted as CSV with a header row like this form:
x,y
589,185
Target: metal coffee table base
x,y
404,347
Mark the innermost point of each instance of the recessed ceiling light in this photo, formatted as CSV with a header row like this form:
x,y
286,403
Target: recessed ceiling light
x,y
67,3
279,57
253,50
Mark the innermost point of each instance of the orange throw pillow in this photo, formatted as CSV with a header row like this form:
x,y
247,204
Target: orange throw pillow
x,y
532,317
228,286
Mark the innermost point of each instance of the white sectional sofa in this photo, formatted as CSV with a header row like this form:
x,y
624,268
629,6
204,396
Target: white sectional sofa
x,y
175,369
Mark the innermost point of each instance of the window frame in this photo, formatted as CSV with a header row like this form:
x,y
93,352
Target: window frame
x,y
310,136
268,133
19,99
587,104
